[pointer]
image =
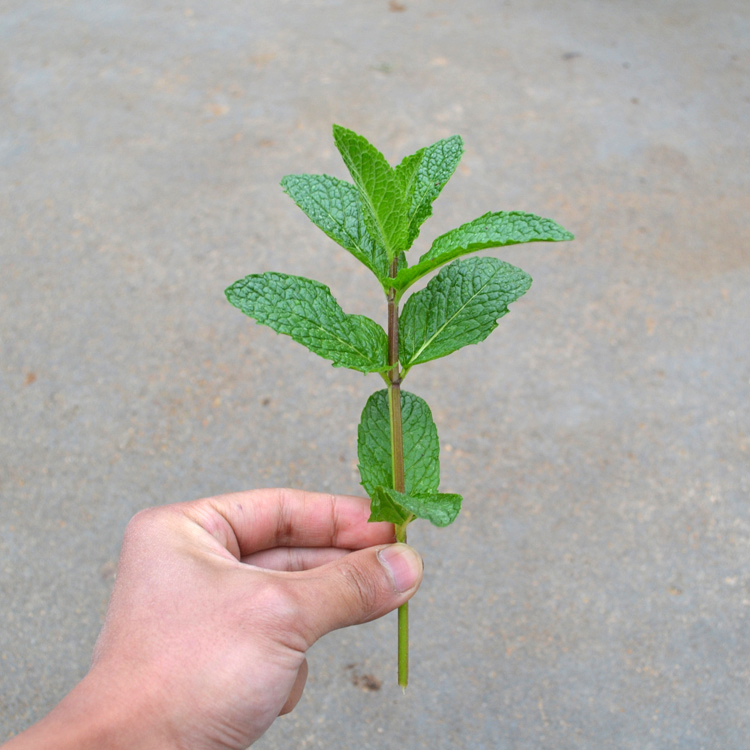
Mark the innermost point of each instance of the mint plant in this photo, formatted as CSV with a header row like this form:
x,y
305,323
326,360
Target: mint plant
x,y
377,219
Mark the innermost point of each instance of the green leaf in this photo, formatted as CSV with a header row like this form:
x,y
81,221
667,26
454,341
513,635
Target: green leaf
x,y
460,306
380,190
421,446
438,163
307,311
491,230
406,173
333,205
439,509
384,508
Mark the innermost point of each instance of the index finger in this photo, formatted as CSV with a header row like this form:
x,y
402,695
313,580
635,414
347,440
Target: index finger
x,y
247,522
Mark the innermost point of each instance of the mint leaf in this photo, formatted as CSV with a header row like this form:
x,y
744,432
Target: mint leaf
x,y
333,205
491,230
374,443
439,509
307,311
384,508
379,189
406,173
495,230
460,306
421,446
438,163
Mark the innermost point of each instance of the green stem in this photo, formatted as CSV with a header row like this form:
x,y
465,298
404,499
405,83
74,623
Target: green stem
x,y
397,463
397,434
403,628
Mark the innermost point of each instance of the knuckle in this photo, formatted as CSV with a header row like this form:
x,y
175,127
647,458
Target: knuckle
x,y
277,613
147,524
363,589
139,523
275,598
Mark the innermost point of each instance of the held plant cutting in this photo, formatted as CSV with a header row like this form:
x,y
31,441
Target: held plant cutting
x,y
377,219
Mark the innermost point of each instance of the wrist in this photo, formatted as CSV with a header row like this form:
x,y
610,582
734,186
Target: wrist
x,y
99,714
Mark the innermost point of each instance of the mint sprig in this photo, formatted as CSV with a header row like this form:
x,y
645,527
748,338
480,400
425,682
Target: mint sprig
x,y
377,218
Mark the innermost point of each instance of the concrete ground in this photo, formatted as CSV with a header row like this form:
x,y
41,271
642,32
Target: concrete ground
x,y
595,593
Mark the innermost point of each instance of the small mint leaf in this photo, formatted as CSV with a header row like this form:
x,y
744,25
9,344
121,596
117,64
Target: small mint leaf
x,y
439,509
491,230
406,173
307,311
460,306
384,508
380,190
421,446
438,163
333,205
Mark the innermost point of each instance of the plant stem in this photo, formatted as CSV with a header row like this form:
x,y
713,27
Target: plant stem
x,y
403,627
397,462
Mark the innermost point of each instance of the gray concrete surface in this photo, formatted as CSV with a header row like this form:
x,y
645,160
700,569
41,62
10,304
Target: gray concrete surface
x,y
595,593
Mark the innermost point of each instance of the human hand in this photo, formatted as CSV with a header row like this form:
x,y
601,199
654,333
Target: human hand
x,y
214,606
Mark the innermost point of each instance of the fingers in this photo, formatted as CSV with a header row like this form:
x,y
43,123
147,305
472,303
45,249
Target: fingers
x,y
261,519
357,588
294,558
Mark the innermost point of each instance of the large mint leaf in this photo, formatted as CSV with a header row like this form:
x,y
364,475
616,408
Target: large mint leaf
x,y
491,230
380,190
421,447
460,306
436,167
333,206
439,509
307,311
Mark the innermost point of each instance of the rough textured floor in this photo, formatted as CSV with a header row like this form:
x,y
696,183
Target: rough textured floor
x,y
595,593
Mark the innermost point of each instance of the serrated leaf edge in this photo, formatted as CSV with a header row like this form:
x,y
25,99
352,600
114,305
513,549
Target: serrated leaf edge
x,y
412,362
408,276
409,515
365,355
359,254
392,252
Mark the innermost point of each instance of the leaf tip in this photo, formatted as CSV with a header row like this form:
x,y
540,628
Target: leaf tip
x,y
339,132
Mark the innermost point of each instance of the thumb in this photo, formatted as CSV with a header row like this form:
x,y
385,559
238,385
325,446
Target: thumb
x,y
357,588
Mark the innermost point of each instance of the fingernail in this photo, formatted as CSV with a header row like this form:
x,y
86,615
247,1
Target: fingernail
x,y
404,565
